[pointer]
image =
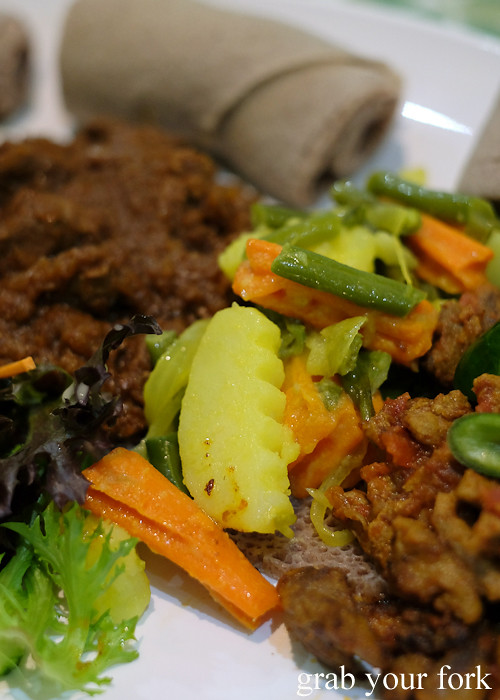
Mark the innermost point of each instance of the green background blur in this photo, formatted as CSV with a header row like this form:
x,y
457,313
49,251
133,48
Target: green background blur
x,y
479,14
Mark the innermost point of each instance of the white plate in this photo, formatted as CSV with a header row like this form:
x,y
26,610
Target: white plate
x,y
189,648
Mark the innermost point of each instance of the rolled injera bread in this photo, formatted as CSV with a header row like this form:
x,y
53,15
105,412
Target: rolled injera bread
x,y
14,64
283,108
481,175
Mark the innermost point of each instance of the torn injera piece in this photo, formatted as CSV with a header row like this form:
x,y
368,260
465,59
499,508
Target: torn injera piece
x,y
481,175
14,64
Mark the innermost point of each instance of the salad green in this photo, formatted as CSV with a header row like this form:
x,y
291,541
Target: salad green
x,y
49,603
65,581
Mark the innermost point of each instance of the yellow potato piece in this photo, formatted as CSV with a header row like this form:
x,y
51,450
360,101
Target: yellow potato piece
x,y
234,448
129,595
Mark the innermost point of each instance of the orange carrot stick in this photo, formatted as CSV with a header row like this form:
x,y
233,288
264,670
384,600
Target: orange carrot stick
x,y
325,436
129,491
346,436
17,367
404,338
305,412
448,258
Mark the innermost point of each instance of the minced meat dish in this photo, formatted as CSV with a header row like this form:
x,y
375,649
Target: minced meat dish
x,y
122,220
432,530
461,322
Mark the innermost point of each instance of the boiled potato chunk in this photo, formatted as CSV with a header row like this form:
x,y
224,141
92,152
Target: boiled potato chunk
x,y
129,595
233,445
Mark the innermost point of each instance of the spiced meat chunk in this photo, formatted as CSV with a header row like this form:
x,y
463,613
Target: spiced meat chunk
x,y
385,637
431,529
487,390
460,323
412,515
122,220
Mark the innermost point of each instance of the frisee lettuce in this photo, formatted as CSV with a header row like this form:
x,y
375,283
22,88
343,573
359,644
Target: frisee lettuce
x,y
66,588
50,630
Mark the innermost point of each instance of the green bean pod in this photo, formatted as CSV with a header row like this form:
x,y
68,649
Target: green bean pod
x,y
274,215
474,441
163,453
476,214
397,219
365,289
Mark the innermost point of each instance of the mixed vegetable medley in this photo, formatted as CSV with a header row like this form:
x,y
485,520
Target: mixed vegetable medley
x,y
333,311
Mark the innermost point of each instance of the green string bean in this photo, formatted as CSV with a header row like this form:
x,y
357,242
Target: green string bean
x,y
397,219
163,453
365,289
474,441
476,214
274,215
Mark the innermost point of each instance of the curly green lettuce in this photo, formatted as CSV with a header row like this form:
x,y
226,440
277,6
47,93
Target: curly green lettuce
x,y
71,590
52,627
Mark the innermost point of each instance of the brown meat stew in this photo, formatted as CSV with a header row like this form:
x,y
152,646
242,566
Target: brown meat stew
x,y
431,528
122,220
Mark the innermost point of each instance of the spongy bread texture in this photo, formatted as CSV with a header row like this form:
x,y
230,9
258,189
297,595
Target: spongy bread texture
x,y
14,64
285,109
274,555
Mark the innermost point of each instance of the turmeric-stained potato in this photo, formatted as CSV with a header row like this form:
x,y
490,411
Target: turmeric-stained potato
x,y
234,447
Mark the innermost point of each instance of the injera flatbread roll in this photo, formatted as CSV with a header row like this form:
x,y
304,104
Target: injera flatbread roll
x,y
14,64
279,106
481,175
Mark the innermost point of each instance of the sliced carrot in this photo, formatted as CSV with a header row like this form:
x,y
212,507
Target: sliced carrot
x,y
448,258
346,436
127,490
325,436
404,338
305,411
18,367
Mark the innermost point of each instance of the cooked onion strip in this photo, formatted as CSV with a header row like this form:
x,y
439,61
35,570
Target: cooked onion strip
x,y
320,503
